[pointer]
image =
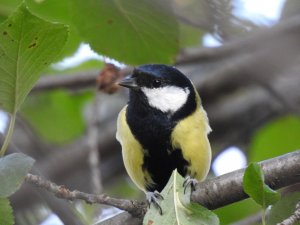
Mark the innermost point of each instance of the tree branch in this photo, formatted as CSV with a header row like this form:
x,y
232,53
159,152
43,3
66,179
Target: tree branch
x,y
233,119
213,193
74,81
226,189
68,81
134,207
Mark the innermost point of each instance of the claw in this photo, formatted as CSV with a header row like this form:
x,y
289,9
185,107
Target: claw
x,y
189,182
154,197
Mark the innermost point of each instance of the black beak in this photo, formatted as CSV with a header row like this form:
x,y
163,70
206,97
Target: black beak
x,y
129,82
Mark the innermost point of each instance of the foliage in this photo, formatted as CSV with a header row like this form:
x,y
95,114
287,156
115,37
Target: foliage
x,y
277,137
189,36
177,208
13,169
58,11
28,45
130,39
35,34
255,187
283,208
228,214
65,107
6,212
122,24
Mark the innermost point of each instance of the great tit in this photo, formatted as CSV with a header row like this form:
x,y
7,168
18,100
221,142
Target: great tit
x,y
163,127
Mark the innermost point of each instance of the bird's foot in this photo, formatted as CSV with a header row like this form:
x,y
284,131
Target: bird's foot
x,y
153,198
188,181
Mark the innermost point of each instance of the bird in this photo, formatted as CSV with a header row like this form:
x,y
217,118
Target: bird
x,y
163,127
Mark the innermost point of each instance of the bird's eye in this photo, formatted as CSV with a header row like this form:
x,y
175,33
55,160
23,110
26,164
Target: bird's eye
x,y
156,83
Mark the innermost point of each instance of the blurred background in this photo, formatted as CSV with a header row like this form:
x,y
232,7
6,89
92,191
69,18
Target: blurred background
x,y
242,55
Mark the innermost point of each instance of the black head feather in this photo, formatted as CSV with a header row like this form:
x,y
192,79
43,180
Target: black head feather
x,y
159,75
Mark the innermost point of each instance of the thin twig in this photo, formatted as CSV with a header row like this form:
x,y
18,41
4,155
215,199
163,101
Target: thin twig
x,y
79,80
287,105
68,81
294,218
134,207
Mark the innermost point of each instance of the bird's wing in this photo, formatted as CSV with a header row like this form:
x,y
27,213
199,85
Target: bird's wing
x,y
132,152
190,135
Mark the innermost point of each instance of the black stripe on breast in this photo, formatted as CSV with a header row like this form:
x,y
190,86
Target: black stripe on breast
x,y
161,168
153,128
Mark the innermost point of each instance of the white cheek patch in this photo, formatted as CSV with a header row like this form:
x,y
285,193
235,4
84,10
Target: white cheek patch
x,y
166,99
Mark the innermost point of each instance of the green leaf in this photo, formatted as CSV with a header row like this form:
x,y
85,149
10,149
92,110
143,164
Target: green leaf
x,y
28,45
254,186
131,31
190,36
54,10
177,208
237,211
6,212
13,169
7,7
283,209
65,111
276,138
58,11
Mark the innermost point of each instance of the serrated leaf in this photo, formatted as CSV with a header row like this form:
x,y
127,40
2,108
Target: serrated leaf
x,y
28,44
283,209
6,212
13,169
254,186
58,11
177,208
131,31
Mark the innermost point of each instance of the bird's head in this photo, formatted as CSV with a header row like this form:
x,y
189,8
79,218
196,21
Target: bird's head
x,y
165,87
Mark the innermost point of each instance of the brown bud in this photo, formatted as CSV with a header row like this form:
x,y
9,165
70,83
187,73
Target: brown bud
x,y
108,77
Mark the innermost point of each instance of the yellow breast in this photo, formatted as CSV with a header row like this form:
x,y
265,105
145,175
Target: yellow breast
x,y
132,152
190,135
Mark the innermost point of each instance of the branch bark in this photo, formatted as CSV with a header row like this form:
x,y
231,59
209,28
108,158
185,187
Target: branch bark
x,y
68,81
233,120
134,207
226,189
213,193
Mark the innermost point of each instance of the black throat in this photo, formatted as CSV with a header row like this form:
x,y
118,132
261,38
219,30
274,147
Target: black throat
x,y
153,128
